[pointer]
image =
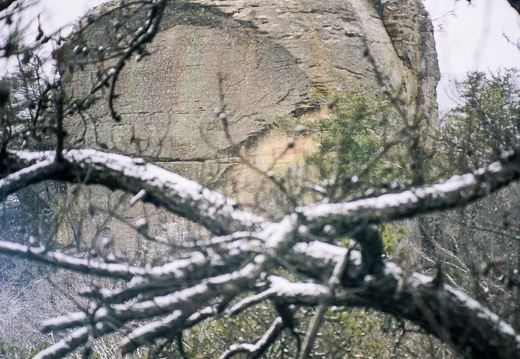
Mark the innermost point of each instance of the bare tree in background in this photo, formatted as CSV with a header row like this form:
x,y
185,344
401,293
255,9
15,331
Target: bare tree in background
x,y
246,260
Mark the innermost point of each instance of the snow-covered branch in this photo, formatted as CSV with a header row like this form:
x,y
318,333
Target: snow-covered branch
x,y
65,346
156,329
411,296
178,306
425,302
457,191
257,349
166,189
40,254
26,176
173,296
221,215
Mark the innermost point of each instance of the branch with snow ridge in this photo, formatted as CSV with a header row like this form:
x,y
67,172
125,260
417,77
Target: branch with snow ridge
x,y
257,349
456,191
248,241
411,296
163,188
178,307
88,266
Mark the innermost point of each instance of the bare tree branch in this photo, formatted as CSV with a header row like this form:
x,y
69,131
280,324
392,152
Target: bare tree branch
x,y
257,349
163,188
222,216
64,346
441,310
4,4
457,191
316,321
31,174
414,297
181,304
40,254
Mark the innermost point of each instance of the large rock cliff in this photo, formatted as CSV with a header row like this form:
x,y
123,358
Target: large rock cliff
x,y
343,43
261,59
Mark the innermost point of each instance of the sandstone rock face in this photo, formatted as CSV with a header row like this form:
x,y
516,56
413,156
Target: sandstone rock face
x,y
411,31
340,43
260,59
201,61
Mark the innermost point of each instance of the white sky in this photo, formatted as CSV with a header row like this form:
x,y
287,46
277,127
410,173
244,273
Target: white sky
x,y
468,36
472,37
61,12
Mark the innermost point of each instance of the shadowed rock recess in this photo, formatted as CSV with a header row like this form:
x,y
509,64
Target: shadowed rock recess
x,y
262,59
